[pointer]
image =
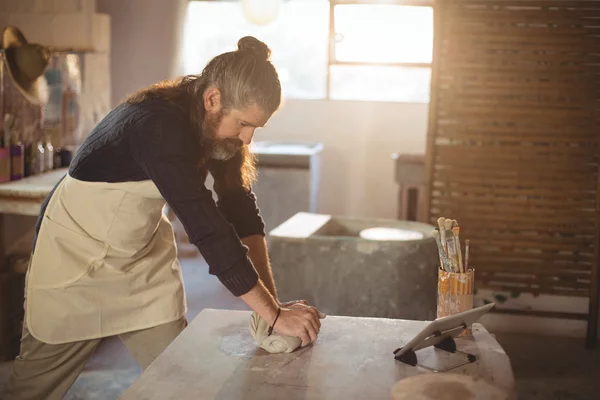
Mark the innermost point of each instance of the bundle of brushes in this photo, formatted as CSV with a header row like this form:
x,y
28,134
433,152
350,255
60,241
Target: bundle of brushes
x,y
447,237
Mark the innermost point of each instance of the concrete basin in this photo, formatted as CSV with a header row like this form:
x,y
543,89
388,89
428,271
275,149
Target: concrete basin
x,y
345,267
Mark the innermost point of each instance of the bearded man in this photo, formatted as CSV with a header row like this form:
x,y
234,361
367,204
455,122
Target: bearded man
x,y
104,259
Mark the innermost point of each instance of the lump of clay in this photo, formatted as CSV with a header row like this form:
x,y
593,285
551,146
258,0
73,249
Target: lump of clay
x,y
276,343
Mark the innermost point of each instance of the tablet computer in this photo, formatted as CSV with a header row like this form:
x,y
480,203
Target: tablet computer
x,y
443,328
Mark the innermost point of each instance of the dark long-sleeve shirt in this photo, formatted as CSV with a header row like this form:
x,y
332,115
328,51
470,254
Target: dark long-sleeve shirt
x,y
153,140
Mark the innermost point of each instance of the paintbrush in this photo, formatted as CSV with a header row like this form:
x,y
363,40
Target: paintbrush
x,y
447,225
444,262
440,222
467,255
436,236
450,246
456,232
452,251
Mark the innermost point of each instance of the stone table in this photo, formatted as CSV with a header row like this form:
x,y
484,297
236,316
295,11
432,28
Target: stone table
x,y
216,358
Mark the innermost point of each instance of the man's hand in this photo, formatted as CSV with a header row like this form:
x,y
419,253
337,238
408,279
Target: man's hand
x,y
300,321
296,319
289,304
299,304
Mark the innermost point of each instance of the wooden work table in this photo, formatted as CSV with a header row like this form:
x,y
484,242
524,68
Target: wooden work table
x,y
25,196
215,357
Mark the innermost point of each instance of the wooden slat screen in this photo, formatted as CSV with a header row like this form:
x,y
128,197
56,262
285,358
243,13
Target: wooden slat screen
x,y
514,139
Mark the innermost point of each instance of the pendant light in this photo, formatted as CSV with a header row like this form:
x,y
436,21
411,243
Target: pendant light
x,y
261,12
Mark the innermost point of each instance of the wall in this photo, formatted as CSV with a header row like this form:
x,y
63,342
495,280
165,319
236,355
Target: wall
x,y
145,42
359,139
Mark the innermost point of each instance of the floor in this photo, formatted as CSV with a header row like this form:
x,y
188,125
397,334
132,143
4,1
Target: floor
x,y
545,368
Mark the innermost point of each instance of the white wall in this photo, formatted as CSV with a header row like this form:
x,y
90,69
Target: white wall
x,y
359,139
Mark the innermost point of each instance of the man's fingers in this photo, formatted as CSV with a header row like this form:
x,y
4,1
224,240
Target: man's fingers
x,y
315,314
305,338
312,331
315,324
314,318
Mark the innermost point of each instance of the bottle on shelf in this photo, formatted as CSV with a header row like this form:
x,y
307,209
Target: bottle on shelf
x,y
57,158
48,154
27,160
42,157
17,151
37,157
4,160
5,152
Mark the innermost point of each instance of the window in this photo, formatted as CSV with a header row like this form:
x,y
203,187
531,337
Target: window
x,y
380,52
371,52
382,33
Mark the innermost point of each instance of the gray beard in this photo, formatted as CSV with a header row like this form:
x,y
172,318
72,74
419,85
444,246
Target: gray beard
x,y
220,149
220,153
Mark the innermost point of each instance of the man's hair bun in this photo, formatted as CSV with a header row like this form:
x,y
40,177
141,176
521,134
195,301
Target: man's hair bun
x,y
255,46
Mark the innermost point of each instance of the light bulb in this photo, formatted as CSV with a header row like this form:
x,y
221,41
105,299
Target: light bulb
x,y
261,12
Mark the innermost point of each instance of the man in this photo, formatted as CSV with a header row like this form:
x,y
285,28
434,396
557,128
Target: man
x,y
104,259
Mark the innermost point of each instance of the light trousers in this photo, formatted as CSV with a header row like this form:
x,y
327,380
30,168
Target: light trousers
x,y
46,371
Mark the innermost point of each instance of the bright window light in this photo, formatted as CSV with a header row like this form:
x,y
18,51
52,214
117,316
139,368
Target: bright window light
x,y
383,33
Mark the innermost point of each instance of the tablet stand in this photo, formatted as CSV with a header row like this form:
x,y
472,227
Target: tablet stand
x,y
440,340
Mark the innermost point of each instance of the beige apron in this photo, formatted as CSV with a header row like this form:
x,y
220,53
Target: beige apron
x,y
105,263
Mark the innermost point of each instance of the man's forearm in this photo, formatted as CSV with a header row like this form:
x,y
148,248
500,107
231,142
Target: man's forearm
x,y
260,300
257,251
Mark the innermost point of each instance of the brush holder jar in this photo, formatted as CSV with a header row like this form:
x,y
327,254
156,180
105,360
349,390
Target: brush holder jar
x,y
455,293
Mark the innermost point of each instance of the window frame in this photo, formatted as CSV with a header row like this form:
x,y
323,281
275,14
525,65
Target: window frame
x,y
332,60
